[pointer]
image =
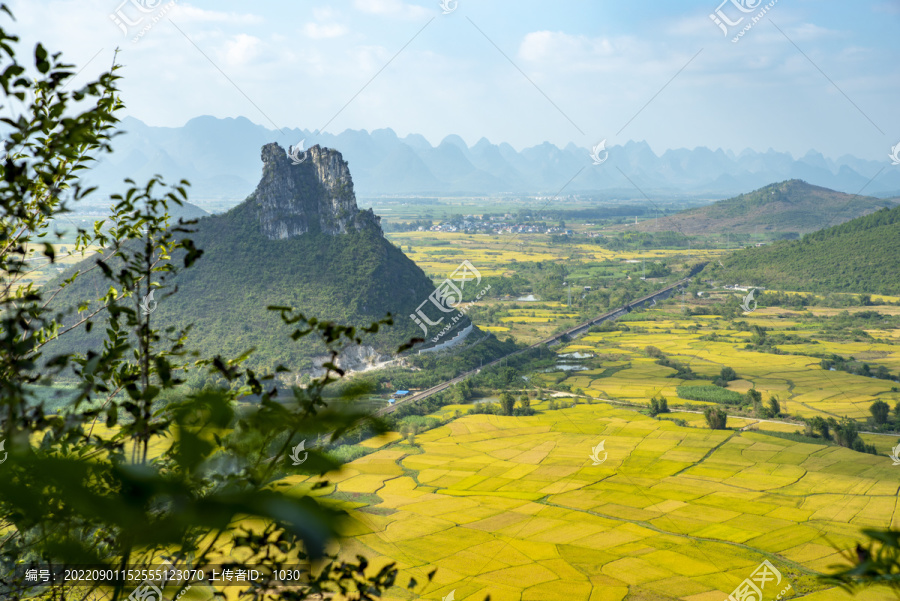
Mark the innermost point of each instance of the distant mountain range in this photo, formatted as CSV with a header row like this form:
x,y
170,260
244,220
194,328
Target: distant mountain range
x,y
792,206
217,156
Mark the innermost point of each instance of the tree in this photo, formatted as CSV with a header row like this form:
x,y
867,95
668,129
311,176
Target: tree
x,y
658,404
822,426
880,411
774,406
175,466
652,351
525,402
525,406
507,403
728,374
846,432
716,418
759,335
754,397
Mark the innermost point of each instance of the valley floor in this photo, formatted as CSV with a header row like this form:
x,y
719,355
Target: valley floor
x,y
514,507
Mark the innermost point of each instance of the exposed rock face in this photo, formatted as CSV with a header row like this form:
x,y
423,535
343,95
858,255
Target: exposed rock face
x,y
315,195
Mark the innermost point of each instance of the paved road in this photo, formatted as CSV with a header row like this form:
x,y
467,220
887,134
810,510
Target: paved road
x,y
555,339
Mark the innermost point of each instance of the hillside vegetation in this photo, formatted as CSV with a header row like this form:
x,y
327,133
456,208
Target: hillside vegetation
x,y
355,278
793,206
859,256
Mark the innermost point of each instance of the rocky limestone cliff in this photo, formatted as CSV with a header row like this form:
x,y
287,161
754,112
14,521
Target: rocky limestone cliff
x,y
315,195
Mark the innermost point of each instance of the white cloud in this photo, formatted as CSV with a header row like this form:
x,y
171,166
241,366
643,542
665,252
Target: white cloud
x,y
318,31
810,31
540,46
554,51
242,49
191,14
391,8
325,13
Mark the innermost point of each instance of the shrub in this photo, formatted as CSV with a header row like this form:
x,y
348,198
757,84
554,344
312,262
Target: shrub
x,y
654,352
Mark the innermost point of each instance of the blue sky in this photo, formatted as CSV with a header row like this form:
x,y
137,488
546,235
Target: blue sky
x,y
811,74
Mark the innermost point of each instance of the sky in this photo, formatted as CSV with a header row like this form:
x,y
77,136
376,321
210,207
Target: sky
x,y
807,74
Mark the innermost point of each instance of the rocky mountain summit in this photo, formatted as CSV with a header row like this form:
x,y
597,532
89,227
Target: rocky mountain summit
x,y
314,195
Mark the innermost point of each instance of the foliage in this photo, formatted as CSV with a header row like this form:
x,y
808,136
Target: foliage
x,y
710,394
658,404
860,368
682,371
725,376
876,563
524,407
857,256
485,409
846,434
716,418
774,406
880,411
151,480
507,403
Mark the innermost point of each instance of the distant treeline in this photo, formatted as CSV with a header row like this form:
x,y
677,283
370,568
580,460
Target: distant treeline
x,y
605,213
406,226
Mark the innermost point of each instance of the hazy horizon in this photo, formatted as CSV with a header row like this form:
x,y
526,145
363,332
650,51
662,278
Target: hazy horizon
x,y
803,77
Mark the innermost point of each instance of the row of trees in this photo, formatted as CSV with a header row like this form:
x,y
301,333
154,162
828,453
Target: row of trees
x,y
844,433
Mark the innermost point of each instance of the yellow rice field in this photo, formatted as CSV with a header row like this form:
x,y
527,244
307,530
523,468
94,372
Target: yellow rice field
x,y
514,508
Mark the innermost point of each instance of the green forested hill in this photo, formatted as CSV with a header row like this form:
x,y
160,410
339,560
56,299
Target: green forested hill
x,y
860,256
298,241
355,278
792,206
